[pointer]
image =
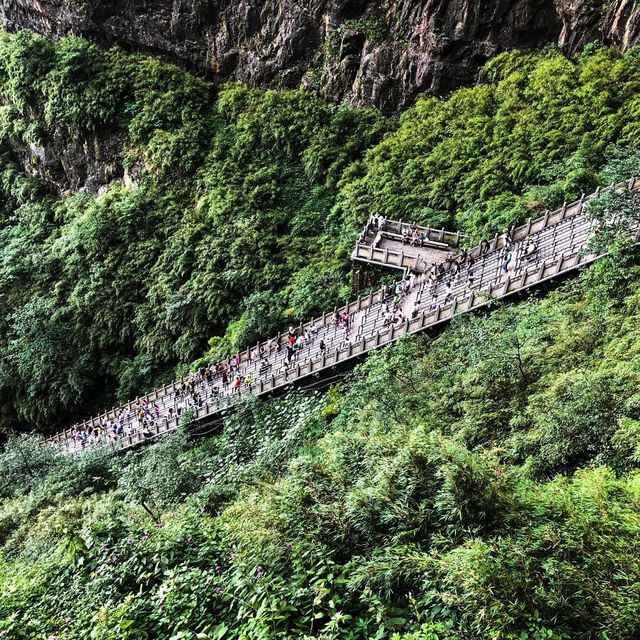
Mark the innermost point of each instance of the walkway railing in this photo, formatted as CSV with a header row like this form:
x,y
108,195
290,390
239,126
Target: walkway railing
x,y
562,234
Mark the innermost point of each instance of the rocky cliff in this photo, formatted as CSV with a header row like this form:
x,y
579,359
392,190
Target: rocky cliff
x,y
368,52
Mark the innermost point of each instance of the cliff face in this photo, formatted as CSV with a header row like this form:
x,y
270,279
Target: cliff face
x,y
65,165
368,52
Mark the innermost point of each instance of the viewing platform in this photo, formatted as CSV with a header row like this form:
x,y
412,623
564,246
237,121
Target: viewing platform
x,y
398,245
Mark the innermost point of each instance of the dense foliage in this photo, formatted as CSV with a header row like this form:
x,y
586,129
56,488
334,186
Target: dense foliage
x,y
535,134
230,213
226,204
480,484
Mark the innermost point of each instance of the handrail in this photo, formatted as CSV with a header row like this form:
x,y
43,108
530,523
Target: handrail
x,y
567,210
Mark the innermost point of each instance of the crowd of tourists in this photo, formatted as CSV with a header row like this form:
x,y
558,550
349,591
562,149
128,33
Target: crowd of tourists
x,y
280,354
205,385
377,222
412,234
140,416
458,270
393,297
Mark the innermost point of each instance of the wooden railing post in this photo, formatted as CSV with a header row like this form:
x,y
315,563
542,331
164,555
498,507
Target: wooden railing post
x,y
543,266
545,219
563,212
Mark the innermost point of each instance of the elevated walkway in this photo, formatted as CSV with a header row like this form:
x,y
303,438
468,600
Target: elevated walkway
x,y
375,320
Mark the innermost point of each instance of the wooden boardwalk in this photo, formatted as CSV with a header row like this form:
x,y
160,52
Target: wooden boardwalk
x,y
561,238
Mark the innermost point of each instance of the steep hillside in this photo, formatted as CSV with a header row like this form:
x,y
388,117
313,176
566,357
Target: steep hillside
x,y
379,53
480,485
143,212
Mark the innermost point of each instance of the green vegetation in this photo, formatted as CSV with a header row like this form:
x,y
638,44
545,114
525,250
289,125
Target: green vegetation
x,y
233,209
481,484
374,29
239,209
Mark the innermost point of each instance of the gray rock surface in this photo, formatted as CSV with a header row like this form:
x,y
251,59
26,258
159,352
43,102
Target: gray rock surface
x,y
368,52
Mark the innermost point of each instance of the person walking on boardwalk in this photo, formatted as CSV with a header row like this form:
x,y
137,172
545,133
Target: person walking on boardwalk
x,y
508,255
